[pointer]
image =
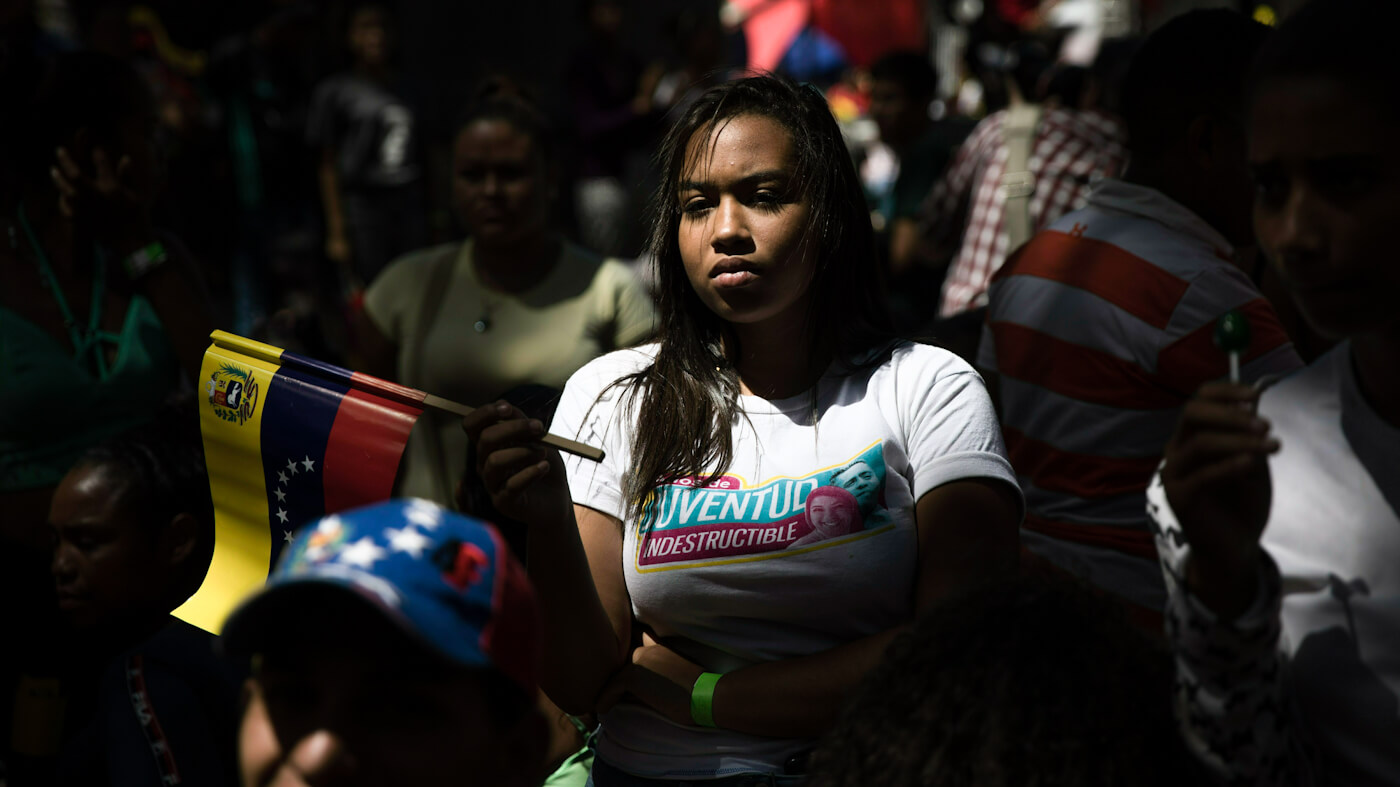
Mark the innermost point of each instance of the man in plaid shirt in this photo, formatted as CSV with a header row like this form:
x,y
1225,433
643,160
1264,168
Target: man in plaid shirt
x,y
1071,150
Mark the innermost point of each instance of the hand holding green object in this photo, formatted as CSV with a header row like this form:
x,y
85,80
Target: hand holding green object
x,y
1232,335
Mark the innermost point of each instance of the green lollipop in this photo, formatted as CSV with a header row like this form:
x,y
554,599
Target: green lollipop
x,y
1232,335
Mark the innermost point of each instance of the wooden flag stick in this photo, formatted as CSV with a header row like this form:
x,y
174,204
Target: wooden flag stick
x,y
562,443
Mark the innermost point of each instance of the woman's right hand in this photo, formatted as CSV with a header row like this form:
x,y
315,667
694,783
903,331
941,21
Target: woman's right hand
x,y
524,477
1216,478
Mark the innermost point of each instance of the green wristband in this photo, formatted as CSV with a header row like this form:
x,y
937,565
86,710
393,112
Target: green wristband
x,y
702,699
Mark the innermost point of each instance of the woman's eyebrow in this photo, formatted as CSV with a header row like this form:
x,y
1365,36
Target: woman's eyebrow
x,y
747,180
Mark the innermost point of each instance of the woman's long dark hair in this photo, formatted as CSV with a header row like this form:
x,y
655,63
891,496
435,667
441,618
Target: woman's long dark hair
x,y
688,398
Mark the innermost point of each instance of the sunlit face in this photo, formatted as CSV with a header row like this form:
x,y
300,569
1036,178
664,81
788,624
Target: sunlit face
x,y
107,565
859,480
500,186
346,699
742,226
1327,200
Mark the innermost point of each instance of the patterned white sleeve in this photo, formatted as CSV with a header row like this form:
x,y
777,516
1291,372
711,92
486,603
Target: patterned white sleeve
x,y
1232,700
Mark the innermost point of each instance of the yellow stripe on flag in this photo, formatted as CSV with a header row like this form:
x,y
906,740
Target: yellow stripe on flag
x,y
233,454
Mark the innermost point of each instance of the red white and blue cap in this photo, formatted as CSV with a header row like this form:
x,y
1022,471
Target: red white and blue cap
x,y
449,581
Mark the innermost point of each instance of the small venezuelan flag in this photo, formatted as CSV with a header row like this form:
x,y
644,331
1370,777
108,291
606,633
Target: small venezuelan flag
x,y
287,439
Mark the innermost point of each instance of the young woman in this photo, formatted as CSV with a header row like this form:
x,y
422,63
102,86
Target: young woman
x,y
664,568
514,304
1281,529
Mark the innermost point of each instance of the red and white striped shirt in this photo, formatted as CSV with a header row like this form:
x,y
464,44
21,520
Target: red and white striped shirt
x,y
1100,328
1071,151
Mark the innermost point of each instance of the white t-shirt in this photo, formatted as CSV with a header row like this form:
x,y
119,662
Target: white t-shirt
x,y
1334,534
806,543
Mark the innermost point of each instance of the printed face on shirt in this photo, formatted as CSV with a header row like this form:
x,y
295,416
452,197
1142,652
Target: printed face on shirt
x,y
860,480
832,514
742,227
342,697
500,187
107,565
1327,200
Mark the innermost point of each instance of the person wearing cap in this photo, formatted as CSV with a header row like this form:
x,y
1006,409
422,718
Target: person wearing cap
x,y
392,644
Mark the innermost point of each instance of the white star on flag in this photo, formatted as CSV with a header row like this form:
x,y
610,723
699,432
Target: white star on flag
x,y
408,540
281,496
292,466
287,536
421,512
308,464
281,477
281,516
363,553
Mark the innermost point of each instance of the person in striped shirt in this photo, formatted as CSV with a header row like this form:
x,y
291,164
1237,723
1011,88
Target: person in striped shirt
x,y
1100,328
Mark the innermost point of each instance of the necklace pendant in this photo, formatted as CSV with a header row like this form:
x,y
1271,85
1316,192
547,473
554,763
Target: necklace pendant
x,y
482,325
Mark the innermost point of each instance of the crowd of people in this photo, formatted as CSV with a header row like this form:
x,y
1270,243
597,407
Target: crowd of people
x,y
1048,436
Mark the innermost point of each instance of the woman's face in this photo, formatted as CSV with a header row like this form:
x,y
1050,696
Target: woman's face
x,y
499,186
1327,174
742,226
828,516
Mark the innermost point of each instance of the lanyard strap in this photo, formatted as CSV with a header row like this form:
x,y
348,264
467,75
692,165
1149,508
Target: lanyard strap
x,y
87,341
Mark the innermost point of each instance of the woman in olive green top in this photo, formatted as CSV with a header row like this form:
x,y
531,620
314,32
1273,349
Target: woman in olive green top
x,y
514,304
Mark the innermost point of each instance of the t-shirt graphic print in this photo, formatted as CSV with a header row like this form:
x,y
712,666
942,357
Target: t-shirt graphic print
x,y
730,520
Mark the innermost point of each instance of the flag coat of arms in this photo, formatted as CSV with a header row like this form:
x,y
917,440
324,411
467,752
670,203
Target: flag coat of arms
x,y
287,439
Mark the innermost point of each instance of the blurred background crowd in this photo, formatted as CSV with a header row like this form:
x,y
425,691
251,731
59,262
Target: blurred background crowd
x,y
456,196
302,146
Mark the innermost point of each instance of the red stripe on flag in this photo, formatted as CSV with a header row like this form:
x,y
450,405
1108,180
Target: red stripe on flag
x,y
393,391
1078,372
1081,475
364,448
1125,280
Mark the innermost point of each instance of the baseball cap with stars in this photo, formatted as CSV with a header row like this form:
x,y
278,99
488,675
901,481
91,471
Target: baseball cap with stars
x,y
445,579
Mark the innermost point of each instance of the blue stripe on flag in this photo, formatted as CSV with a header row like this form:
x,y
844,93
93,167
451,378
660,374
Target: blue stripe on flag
x,y
298,411
321,369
